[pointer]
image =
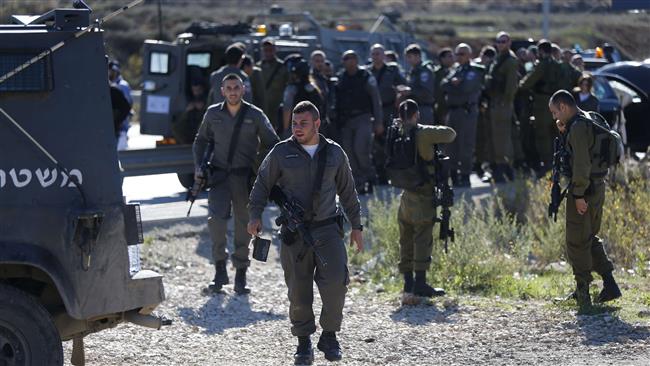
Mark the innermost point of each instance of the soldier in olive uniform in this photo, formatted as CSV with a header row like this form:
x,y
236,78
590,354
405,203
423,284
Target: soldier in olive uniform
x,y
416,211
274,79
446,59
585,198
501,87
234,161
422,82
358,111
234,57
462,90
483,147
388,78
292,166
543,81
255,75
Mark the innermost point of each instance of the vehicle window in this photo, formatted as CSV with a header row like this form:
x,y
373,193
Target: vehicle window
x,y
602,89
200,59
159,63
35,78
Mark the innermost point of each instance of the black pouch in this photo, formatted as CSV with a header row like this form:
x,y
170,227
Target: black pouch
x,y
288,237
260,248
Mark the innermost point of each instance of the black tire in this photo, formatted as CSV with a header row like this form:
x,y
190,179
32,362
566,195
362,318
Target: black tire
x,y
27,333
186,180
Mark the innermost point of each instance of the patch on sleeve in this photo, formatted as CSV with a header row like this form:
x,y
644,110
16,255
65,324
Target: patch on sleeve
x,y
471,75
424,76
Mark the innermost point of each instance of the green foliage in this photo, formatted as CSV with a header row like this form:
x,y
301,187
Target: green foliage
x,y
506,242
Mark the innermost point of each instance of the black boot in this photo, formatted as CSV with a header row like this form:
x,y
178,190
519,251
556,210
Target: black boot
x,y
610,289
330,346
220,276
408,282
240,282
304,353
421,288
583,298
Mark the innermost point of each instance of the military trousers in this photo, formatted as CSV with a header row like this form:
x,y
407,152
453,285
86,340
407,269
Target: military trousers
x,y
415,221
500,121
461,150
231,195
483,148
356,141
545,131
331,280
584,248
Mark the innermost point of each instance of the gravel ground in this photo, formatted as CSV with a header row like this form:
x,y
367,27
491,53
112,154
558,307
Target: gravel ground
x,y
254,330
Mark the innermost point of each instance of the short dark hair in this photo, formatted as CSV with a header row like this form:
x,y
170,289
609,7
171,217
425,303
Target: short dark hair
x,y
247,60
407,109
489,51
563,97
443,52
233,54
232,76
307,106
413,49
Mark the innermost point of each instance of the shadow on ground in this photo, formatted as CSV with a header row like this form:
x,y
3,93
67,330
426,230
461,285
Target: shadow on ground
x,y
222,312
602,327
423,314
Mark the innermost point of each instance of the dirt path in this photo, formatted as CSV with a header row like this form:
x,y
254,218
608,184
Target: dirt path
x,y
254,330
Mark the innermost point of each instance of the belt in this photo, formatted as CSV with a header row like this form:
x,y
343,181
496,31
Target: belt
x,y
321,223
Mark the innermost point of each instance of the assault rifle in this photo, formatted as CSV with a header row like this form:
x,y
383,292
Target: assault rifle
x,y
199,184
443,197
292,218
557,195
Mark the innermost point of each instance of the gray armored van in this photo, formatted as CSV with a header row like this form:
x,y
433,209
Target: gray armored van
x,y
68,260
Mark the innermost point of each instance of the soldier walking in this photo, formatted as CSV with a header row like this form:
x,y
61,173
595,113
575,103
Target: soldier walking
x,y
501,88
274,79
462,90
312,170
388,79
411,148
585,199
234,128
358,111
422,83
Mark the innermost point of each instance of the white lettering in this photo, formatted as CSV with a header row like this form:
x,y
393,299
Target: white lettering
x,y
17,182
45,177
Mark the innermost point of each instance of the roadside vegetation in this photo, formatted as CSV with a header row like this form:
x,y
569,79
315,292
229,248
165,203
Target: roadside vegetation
x,y
507,246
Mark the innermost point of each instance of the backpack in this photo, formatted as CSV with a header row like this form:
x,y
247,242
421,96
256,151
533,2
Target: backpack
x,y
403,166
608,144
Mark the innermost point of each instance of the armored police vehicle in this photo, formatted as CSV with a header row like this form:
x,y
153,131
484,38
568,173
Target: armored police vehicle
x,y
68,260
170,68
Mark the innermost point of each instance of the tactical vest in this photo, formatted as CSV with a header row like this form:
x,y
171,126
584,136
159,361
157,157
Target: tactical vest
x,y
404,167
607,148
351,95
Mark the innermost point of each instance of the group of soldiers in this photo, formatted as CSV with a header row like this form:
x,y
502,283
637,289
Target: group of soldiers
x,y
240,156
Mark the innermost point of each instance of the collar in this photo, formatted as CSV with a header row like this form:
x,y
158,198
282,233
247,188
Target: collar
x,y
224,108
573,119
322,142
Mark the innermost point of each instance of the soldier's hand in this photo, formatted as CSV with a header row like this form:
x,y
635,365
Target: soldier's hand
x,y
581,206
254,227
356,238
560,126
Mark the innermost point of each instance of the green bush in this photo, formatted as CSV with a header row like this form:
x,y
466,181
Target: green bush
x,y
506,241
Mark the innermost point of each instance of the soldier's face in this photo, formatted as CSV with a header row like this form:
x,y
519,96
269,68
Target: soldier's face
x,y
413,59
377,55
447,59
304,128
317,62
268,51
350,62
462,56
503,44
232,91
560,112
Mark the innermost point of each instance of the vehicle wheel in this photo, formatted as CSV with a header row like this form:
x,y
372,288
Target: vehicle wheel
x,y
187,180
27,333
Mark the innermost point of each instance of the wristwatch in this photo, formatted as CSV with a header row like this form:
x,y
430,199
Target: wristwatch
x,y
360,228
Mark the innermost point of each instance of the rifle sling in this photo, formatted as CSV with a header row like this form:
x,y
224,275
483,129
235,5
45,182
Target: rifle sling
x,y
318,180
235,135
